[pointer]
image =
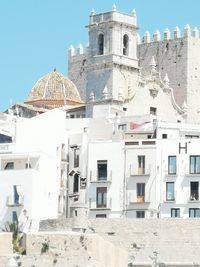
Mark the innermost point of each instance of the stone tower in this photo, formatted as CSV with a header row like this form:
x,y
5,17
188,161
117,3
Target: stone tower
x,y
178,56
112,55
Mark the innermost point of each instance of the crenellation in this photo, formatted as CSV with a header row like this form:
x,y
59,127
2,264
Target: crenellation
x,y
156,36
147,38
91,71
187,31
79,49
166,34
71,51
195,32
177,33
114,16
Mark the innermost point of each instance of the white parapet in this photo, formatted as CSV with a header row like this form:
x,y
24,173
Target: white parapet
x,y
195,32
71,51
147,37
156,36
177,33
166,34
79,49
187,30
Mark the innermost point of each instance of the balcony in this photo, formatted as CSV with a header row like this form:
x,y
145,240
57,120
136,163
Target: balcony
x,y
138,201
14,202
140,171
194,198
94,177
103,206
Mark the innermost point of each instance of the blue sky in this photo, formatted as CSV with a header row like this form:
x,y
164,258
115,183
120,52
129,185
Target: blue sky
x,y
35,34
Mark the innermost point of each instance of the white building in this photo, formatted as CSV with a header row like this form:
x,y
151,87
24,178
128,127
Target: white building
x,y
135,154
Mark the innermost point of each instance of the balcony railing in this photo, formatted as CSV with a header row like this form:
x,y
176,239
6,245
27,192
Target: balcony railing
x,y
100,206
94,177
140,171
134,199
14,202
194,198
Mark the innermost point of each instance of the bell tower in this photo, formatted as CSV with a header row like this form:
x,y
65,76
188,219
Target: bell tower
x,y
112,55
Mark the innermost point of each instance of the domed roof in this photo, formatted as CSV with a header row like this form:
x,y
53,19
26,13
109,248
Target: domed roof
x,y
54,86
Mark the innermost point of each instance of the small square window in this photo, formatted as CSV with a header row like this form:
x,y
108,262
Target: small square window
x,y
140,214
9,166
153,110
175,213
101,216
194,213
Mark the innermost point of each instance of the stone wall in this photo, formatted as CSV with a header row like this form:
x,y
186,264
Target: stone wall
x,y
73,249
6,247
174,242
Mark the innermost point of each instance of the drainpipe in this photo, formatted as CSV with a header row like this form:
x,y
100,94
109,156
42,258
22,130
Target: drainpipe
x,y
124,185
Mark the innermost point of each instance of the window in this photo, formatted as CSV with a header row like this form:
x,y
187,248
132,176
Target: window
x,y
122,127
153,111
100,44
125,45
195,164
191,136
194,213
28,166
101,197
175,213
76,183
141,164
172,165
170,191
140,192
164,136
9,166
14,217
140,214
76,157
102,170
101,216
194,190
16,194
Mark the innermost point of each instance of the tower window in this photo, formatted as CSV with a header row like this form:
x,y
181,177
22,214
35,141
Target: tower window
x,y
101,44
76,183
125,45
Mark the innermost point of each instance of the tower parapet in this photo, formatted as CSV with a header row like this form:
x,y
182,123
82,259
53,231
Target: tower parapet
x,y
167,34
157,36
114,16
79,50
177,33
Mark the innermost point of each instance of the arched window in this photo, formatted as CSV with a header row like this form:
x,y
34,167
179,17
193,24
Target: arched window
x,y
100,44
125,45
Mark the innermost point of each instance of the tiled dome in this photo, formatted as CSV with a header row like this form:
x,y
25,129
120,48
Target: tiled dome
x,y
54,86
